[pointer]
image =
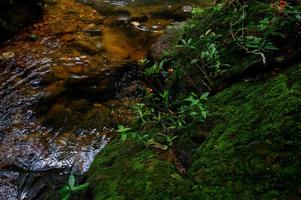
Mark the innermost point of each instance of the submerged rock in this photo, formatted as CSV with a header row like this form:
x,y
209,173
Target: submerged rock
x,y
166,42
7,55
88,47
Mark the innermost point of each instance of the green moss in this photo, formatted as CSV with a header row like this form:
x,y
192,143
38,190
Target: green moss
x,y
129,171
253,148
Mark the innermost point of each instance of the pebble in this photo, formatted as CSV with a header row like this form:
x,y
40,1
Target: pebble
x,y
7,55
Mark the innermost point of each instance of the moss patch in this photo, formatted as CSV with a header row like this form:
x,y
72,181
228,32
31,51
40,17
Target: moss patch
x,y
129,171
253,149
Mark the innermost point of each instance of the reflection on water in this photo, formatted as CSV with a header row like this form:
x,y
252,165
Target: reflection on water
x,y
131,26
69,79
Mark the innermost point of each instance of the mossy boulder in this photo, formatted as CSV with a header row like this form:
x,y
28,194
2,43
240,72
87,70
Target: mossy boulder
x,y
253,148
129,171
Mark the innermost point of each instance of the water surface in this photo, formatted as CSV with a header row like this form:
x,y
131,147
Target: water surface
x,y
67,81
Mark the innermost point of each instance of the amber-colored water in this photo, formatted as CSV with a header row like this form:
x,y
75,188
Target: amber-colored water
x,y
69,79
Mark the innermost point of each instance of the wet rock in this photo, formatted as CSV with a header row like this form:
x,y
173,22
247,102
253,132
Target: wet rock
x,y
70,29
93,30
59,72
187,9
87,46
135,23
174,14
7,55
8,187
139,19
77,69
166,42
116,12
68,38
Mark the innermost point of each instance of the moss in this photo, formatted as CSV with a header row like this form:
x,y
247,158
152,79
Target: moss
x,y
252,151
253,148
129,171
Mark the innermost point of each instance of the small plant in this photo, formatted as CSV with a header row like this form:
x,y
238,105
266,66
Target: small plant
x,y
195,108
186,44
70,187
155,69
125,133
165,97
209,55
169,118
196,11
258,36
170,139
143,62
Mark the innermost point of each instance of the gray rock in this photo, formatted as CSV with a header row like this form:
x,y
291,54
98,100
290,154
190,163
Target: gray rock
x,y
167,41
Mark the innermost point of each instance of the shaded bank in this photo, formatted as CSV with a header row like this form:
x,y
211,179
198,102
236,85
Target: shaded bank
x,y
17,14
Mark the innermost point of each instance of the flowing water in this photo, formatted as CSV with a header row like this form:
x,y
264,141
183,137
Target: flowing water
x,y
66,82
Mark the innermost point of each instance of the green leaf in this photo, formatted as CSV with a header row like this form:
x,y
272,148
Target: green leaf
x,y
204,114
207,32
80,187
176,176
65,189
270,46
123,137
66,197
193,61
71,181
205,95
122,129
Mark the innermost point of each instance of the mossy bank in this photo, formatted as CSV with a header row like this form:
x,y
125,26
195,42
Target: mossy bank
x,y
250,142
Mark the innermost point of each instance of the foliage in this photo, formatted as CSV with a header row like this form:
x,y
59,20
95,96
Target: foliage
x,y
70,187
125,133
218,39
167,119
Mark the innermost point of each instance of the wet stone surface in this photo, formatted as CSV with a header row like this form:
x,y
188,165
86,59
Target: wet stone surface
x,y
66,82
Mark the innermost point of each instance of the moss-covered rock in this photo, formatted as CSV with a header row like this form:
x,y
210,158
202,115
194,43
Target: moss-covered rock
x,y
129,171
252,151
253,148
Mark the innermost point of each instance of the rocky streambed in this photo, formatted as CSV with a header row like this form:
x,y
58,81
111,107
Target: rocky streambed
x,y
66,82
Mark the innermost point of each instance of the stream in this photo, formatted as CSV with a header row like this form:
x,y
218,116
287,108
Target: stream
x,y
67,81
